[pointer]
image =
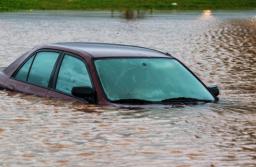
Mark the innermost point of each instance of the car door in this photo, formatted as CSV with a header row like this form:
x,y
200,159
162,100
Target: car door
x,y
71,72
34,75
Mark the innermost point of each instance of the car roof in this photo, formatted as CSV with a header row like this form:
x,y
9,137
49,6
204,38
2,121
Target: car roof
x,y
104,50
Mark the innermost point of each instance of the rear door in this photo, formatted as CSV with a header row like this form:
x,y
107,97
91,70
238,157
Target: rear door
x,y
35,74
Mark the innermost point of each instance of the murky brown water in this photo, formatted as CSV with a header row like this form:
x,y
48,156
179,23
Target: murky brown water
x,y
219,47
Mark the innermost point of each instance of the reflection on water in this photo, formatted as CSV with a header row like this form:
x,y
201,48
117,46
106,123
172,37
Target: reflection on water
x,y
207,14
220,49
133,14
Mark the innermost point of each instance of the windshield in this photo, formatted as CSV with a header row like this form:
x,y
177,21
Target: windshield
x,y
150,79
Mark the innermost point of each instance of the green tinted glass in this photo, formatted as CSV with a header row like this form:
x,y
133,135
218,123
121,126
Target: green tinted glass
x,y
152,79
23,72
73,73
42,68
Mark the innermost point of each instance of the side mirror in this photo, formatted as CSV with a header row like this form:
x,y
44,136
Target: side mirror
x,y
214,90
85,92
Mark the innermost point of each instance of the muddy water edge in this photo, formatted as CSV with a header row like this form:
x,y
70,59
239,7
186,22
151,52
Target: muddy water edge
x,y
220,47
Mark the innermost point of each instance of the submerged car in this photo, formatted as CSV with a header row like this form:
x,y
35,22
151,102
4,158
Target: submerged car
x,y
99,73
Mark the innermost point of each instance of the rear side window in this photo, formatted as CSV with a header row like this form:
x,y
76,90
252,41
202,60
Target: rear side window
x,y
73,73
23,72
42,68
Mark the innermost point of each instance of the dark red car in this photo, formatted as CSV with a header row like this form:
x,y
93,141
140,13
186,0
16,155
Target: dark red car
x,y
105,74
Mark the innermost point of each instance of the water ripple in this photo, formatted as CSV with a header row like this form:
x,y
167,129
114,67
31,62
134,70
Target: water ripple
x,y
38,131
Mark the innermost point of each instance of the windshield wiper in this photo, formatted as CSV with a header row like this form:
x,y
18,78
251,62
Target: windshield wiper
x,y
184,100
170,100
133,101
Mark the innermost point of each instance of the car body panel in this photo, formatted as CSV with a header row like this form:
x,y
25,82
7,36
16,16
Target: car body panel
x,y
88,52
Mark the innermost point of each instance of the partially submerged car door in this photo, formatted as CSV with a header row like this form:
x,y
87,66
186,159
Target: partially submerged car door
x,y
70,72
51,73
34,75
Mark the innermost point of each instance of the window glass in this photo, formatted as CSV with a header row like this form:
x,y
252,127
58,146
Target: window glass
x,y
23,72
42,67
152,79
72,73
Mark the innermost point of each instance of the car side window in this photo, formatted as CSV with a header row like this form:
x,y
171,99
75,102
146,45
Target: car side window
x,y
42,68
22,74
73,73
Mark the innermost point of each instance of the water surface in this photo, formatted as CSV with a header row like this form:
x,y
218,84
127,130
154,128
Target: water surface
x,y
220,47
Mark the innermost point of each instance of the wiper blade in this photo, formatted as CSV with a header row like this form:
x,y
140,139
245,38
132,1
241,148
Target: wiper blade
x,y
133,101
170,100
183,100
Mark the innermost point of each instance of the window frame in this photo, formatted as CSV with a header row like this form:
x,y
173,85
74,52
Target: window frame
x,y
55,72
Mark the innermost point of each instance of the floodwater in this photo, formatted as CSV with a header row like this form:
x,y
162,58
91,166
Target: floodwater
x,y
218,46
